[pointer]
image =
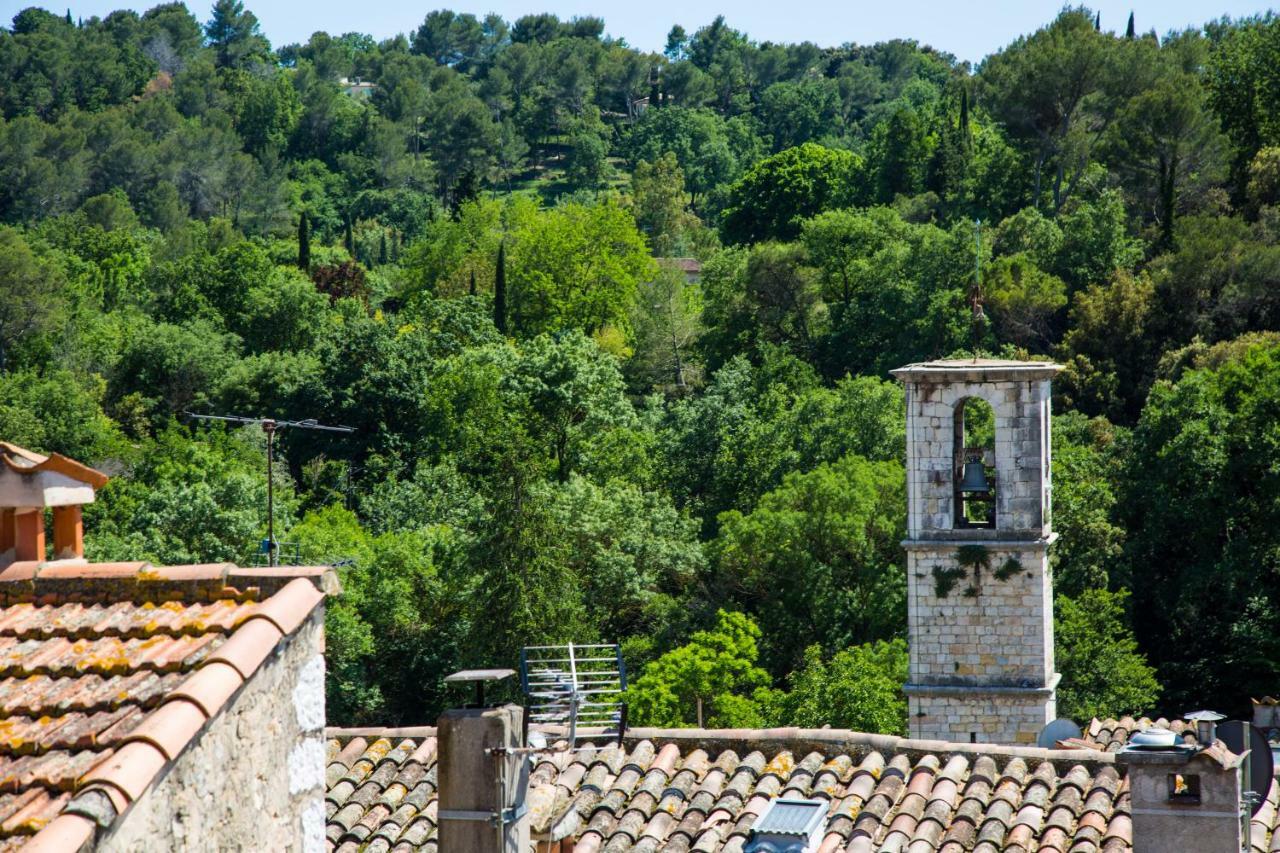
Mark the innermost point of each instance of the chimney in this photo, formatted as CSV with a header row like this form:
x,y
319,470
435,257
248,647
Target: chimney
x,y
30,483
1183,797
483,775
1266,716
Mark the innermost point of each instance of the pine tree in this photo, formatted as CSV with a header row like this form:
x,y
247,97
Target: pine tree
x,y
1129,32
304,242
500,290
382,248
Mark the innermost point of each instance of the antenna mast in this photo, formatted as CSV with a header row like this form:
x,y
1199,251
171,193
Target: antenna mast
x,y
269,427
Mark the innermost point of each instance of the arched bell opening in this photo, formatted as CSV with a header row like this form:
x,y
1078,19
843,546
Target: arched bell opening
x,y
974,464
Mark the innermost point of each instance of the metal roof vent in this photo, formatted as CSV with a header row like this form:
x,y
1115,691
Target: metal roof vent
x,y
788,825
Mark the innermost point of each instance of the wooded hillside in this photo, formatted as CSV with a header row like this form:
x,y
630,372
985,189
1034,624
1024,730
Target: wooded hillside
x,y
458,241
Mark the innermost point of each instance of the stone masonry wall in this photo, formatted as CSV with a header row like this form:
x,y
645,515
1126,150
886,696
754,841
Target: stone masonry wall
x,y
980,717
254,778
985,631
1022,440
981,662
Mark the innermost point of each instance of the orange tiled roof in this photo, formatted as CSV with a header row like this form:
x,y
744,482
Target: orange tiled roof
x,y
681,790
109,670
1112,735
24,461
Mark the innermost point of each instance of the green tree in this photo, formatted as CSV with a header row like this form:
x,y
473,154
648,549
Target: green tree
x,y
58,411
569,394
1198,504
772,198
1244,90
500,290
1104,674
304,242
234,35
1087,459
859,688
576,266
1111,349
662,208
449,38
1023,300
709,150
32,298
1042,88
633,555
666,325
712,681
189,501
1165,139
395,631
587,164
832,534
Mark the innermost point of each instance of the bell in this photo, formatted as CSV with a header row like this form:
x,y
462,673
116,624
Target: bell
x,y
975,478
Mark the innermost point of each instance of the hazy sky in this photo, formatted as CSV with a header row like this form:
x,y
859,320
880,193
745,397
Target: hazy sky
x,y
969,30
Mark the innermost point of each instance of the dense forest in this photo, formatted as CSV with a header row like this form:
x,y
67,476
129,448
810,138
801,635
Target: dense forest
x,y
471,243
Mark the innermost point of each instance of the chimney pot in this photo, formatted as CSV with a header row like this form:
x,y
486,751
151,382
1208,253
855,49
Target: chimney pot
x,y
28,534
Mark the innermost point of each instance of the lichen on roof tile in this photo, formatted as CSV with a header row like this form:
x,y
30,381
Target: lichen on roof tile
x,y
84,660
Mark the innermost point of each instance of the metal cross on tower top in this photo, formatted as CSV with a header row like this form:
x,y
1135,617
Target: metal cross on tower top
x,y
978,317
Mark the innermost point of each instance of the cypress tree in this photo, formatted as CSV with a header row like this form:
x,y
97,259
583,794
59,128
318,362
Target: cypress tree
x,y
382,248
304,242
1128,32
70,23
472,290
966,137
349,239
1097,21
500,290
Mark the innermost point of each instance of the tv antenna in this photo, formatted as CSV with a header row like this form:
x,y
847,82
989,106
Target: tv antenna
x,y
269,427
572,687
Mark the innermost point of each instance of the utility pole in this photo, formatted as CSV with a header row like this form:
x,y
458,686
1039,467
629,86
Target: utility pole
x,y
269,428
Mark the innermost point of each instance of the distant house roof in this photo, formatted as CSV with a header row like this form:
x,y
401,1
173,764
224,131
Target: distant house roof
x,y
688,266
682,790
109,670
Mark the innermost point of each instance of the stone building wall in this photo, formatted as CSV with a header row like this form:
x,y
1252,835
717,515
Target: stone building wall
x,y
985,631
981,653
1022,470
254,778
978,716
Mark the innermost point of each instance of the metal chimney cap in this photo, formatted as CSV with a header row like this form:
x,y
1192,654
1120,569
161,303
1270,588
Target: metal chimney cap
x,y
478,675
1206,716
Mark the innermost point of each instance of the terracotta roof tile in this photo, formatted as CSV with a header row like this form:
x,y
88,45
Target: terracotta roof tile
x,y
1111,735
248,647
107,672
701,791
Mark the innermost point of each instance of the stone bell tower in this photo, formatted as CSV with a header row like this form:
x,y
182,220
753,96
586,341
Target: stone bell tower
x,y
979,593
